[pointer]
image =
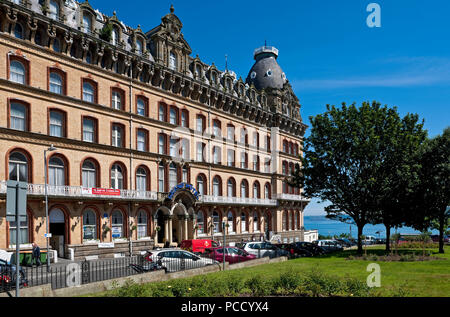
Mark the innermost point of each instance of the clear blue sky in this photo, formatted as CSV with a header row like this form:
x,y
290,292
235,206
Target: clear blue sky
x,y
327,51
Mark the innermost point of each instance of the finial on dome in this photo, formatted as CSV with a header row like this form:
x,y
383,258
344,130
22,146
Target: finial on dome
x,y
172,9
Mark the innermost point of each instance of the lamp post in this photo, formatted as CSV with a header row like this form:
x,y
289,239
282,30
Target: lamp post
x,y
50,149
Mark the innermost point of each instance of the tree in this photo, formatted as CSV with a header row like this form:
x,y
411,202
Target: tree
x,y
398,173
343,158
431,197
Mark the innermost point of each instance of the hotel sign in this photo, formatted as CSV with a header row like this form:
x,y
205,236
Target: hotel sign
x,y
101,191
184,187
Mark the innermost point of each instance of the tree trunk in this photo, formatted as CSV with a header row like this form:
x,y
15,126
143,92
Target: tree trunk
x,y
388,238
360,231
441,234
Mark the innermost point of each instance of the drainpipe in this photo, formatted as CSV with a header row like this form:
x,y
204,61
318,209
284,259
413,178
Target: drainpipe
x,y
131,156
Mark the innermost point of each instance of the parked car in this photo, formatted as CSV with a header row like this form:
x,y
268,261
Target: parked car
x,y
435,238
294,250
8,275
174,260
329,245
311,247
149,264
369,240
380,241
198,246
232,254
263,249
346,243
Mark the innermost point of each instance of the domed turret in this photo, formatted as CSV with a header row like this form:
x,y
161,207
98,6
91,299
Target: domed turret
x,y
266,73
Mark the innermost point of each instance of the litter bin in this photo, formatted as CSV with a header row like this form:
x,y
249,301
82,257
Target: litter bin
x,y
25,258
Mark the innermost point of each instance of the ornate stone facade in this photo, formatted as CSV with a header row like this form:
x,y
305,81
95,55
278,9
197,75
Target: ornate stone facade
x,y
132,115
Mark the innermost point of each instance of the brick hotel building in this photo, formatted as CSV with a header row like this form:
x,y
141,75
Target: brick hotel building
x,y
151,145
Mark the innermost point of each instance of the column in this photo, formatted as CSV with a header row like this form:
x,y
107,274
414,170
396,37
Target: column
x,y
166,229
185,231
170,230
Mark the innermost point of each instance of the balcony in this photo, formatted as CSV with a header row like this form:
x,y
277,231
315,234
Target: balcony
x,y
292,197
238,201
80,192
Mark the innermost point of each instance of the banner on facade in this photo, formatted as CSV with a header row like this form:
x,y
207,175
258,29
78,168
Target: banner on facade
x,y
101,191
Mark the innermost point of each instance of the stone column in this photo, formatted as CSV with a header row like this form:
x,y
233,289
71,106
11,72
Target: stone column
x,y
185,231
154,224
166,229
170,230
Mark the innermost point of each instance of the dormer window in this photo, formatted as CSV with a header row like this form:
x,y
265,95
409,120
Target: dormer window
x,y
87,23
54,10
115,36
139,46
198,71
213,77
173,61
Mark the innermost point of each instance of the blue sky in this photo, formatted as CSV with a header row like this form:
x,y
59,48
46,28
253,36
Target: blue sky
x,y
327,51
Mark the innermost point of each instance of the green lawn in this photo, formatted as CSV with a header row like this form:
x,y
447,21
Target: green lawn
x,y
428,278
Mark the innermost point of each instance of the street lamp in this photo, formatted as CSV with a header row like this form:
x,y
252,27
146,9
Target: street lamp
x,y
50,149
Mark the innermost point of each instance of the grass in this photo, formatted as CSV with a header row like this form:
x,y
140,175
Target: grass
x,y
422,278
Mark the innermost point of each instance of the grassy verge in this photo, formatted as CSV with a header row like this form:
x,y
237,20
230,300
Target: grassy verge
x,y
332,275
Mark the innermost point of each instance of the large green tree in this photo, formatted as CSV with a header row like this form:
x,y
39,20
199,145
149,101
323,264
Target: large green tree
x,y
398,173
344,158
431,197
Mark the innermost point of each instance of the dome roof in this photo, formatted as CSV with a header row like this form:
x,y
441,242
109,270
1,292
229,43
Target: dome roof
x,y
266,73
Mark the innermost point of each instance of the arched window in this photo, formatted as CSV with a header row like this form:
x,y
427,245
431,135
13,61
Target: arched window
x,y
56,172
198,71
142,224
88,92
173,179
141,106
201,184
117,177
244,189
17,72
141,179
18,167
162,112
267,191
255,222
243,223
231,188
200,223
89,57
184,119
117,224
256,190
56,83
23,231
89,174
18,31
116,99
161,178
230,220
173,61
217,186
216,222
89,225
54,10
173,116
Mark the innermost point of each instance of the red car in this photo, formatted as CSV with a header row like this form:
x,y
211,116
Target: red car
x,y
232,254
198,246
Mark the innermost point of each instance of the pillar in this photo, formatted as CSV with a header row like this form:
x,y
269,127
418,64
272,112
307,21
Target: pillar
x,y
185,231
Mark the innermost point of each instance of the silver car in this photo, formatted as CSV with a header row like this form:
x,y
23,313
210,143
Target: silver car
x,y
263,249
174,260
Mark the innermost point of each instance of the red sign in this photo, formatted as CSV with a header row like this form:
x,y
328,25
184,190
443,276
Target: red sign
x,y
105,192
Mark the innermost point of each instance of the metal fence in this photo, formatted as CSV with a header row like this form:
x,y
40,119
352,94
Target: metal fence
x,y
79,273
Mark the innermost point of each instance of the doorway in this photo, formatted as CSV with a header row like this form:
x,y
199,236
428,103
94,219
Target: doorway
x,y
57,228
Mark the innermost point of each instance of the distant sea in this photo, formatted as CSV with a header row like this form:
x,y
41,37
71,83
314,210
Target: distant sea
x,y
328,227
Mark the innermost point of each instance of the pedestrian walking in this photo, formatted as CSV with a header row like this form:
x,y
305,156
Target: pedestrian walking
x,y
36,254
